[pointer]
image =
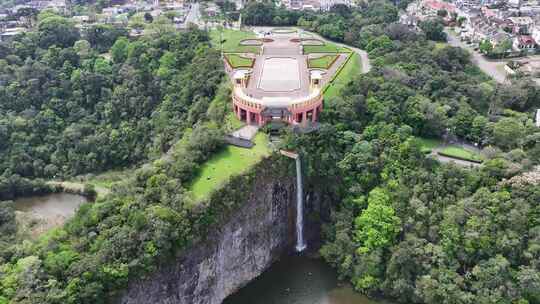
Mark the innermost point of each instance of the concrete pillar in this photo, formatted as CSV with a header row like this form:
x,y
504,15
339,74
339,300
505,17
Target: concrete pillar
x,y
314,116
248,117
239,113
304,117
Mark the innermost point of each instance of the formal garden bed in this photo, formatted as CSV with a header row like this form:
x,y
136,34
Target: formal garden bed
x,y
322,62
239,61
251,41
325,48
283,31
311,41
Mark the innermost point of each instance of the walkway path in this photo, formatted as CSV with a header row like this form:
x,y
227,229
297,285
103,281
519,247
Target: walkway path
x,y
194,15
246,132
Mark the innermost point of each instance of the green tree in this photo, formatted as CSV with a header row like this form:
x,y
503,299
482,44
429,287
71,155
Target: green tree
x,y
508,132
433,29
486,47
377,226
119,50
56,30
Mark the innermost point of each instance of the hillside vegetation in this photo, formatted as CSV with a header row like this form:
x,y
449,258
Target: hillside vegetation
x,y
403,225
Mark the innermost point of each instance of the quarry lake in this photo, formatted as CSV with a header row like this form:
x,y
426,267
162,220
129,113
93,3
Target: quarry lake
x,y
298,279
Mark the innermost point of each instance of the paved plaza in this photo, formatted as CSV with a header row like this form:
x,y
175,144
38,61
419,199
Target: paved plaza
x,y
280,74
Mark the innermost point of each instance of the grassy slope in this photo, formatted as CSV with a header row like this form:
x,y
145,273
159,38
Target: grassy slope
x,y
231,39
461,153
429,144
228,162
454,151
321,62
351,68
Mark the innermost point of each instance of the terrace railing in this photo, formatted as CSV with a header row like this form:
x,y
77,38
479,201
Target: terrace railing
x,y
314,97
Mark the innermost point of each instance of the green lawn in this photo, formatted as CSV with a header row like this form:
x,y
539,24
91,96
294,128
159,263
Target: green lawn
x,y
326,48
343,76
231,40
440,45
429,144
228,162
323,62
238,61
461,153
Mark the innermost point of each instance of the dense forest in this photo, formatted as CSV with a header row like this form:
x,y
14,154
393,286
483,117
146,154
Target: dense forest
x,y
406,226
402,225
73,104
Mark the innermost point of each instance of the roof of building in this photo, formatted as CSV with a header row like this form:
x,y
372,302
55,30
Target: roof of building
x,y
526,39
439,5
521,20
240,74
315,74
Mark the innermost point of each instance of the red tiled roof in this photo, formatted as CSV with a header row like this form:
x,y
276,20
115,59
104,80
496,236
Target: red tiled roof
x,y
439,5
526,39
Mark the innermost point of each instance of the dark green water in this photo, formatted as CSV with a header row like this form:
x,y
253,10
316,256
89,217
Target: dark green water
x,y
298,280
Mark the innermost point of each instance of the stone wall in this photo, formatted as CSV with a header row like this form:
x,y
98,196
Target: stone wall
x,y
246,243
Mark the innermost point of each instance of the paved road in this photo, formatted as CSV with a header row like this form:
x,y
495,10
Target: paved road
x,y
494,68
463,163
194,15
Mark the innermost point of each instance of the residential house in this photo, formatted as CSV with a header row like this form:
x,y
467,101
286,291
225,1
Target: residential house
x,y
9,33
432,7
524,43
326,5
521,25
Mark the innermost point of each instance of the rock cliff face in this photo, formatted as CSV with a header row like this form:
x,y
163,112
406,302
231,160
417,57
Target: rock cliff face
x,y
240,249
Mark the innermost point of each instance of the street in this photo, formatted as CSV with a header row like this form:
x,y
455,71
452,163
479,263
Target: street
x,y
494,68
194,15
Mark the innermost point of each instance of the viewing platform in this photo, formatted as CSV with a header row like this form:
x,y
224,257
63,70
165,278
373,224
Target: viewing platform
x,y
278,86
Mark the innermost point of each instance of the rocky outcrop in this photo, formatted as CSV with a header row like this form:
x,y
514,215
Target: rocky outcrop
x,y
234,253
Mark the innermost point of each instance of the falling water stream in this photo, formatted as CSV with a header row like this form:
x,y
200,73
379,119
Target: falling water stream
x,y
300,244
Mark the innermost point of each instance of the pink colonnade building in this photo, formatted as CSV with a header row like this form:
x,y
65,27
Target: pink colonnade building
x,y
279,86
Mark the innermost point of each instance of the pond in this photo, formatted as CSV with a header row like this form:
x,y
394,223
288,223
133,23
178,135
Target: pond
x,y
50,205
297,279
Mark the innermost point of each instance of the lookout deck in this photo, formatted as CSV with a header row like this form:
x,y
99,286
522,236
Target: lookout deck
x,y
280,86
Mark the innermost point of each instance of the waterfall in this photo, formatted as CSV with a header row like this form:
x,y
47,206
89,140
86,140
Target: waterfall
x,y
300,245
